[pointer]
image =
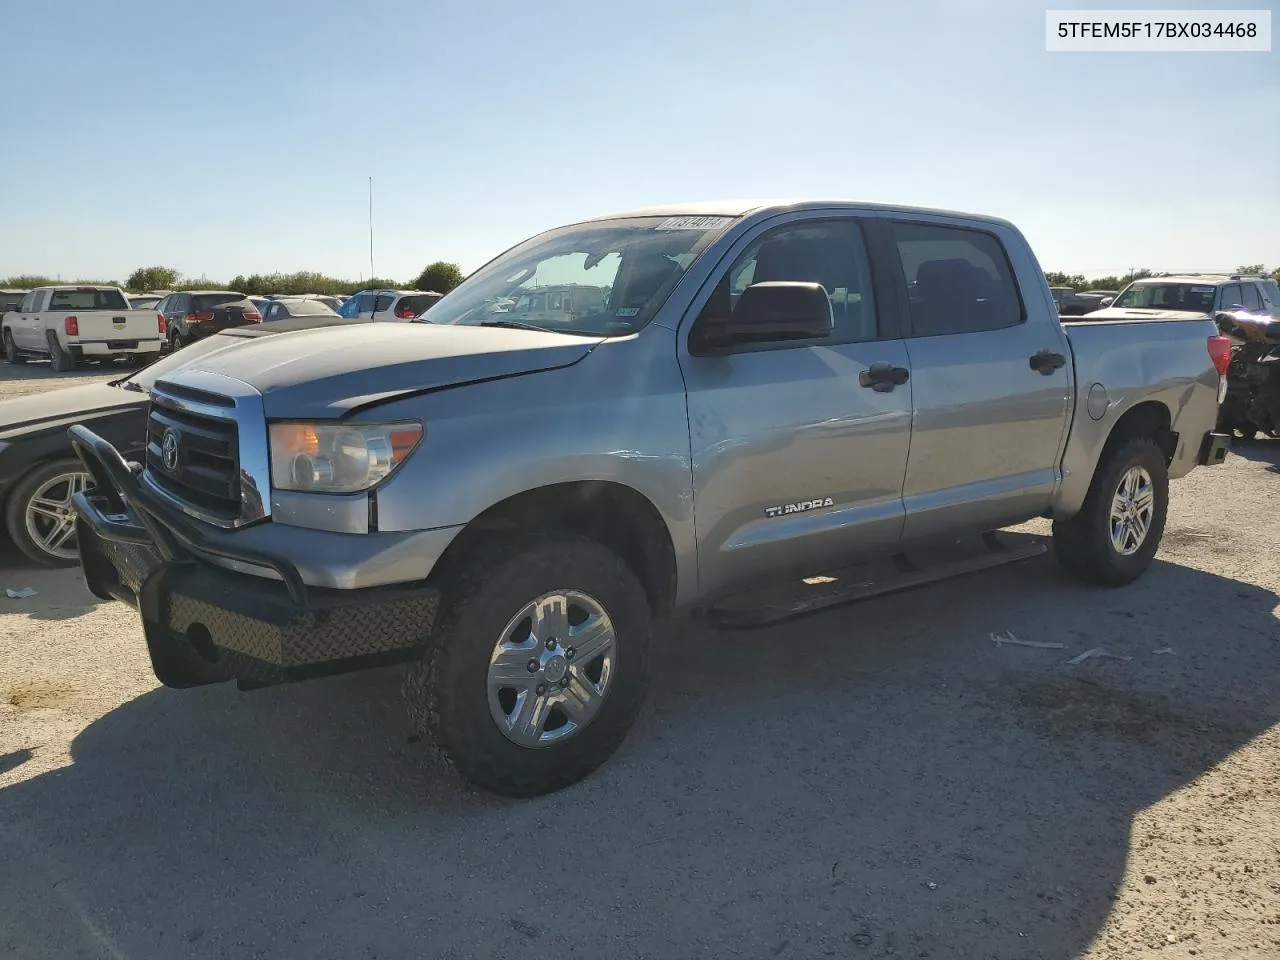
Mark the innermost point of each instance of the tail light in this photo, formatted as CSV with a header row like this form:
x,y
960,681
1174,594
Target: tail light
x,y
1220,353
160,323
199,317
406,313
253,315
71,326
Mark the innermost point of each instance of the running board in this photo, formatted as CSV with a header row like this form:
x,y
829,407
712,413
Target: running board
x,y
898,573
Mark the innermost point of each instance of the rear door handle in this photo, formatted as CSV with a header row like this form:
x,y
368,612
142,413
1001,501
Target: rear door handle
x,y
1046,361
882,377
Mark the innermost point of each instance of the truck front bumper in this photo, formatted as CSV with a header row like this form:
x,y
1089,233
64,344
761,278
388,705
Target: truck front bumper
x,y
204,623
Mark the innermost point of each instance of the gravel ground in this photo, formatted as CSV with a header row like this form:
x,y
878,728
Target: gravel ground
x,y
877,781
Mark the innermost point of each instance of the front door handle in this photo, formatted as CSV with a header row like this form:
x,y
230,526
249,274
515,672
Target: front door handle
x,y
1046,361
882,377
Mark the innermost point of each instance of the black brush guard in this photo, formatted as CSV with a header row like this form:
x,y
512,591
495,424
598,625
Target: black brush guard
x,y
204,623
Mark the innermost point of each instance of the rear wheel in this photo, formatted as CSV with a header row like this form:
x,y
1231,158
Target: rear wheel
x,y
61,360
40,517
11,352
1114,537
538,666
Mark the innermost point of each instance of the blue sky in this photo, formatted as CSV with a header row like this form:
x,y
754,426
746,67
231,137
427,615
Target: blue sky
x,y
236,137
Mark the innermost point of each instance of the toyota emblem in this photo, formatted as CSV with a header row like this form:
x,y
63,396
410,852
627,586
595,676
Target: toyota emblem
x,y
169,450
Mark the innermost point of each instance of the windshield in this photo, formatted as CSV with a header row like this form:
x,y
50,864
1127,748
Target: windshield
x,y
1188,297
607,278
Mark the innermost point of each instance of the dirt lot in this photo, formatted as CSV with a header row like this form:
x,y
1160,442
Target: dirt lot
x,y
881,780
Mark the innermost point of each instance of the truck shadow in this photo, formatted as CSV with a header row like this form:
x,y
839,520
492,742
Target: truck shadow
x,y
877,780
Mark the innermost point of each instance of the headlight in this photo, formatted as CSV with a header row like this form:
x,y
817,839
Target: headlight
x,y
338,458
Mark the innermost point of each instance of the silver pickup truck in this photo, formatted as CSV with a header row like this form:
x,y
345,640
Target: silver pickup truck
x,y
721,399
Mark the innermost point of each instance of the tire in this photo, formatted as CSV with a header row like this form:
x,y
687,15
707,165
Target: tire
x,y
11,353
455,701
1088,545
61,360
176,341
49,483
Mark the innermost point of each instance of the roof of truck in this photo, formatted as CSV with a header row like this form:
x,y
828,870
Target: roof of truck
x,y
740,208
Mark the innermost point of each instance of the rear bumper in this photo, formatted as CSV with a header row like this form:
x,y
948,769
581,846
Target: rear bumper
x,y
110,348
205,624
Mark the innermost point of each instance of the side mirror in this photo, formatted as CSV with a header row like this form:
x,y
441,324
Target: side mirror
x,y
772,312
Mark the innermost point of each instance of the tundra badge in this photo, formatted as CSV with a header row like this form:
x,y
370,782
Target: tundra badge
x,y
801,507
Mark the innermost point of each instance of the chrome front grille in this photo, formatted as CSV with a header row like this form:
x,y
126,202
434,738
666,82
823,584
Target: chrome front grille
x,y
195,458
206,449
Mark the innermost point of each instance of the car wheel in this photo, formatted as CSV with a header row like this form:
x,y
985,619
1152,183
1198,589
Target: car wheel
x,y
1114,537
11,352
61,360
538,665
40,518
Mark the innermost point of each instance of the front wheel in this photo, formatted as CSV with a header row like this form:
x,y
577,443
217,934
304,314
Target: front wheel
x,y
40,517
1114,537
538,667
11,351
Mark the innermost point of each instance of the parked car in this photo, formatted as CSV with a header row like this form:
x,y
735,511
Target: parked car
x,y
1200,295
1073,304
506,507
38,470
145,301
282,307
1104,297
71,324
10,299
190,315
383,305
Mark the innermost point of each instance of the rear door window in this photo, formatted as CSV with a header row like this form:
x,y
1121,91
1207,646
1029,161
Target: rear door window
x,y
1232,298
383,302
958,280
1249,297
418,304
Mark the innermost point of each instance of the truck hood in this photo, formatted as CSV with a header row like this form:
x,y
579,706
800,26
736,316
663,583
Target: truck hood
x,y
56,409
1133,313
330,372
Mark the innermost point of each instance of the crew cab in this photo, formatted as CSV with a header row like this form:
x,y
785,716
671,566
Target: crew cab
x,y
70,324
507,500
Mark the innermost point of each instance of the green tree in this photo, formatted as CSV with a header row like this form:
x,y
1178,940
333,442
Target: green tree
x,y
28,282
1075,281
152,278
439,276
1256,270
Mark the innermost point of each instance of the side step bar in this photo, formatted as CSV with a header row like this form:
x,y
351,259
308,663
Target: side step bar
x,y
900,572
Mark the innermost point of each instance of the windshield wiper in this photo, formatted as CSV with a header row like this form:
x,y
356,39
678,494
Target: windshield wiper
x,y
515,325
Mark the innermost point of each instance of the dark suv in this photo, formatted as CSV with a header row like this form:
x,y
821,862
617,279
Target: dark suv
x,y
191,315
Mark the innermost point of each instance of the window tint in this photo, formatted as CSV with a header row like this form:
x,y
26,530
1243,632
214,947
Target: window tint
x,y
1251,299
364,303
417,303
383,302
829,252
207,301
88,300
958,280
26,305
1232,299
180,303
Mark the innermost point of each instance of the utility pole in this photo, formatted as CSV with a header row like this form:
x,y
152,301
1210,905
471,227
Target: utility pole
x,y
371,273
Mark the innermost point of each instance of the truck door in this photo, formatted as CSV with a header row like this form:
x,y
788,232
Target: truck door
x,y
991,381
799,447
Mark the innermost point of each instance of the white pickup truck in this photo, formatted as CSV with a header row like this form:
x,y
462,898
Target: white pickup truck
x,y
69,324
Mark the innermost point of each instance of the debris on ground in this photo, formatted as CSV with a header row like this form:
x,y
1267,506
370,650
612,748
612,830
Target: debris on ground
x,y
1001,639
1096,652
1162,650
22,594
